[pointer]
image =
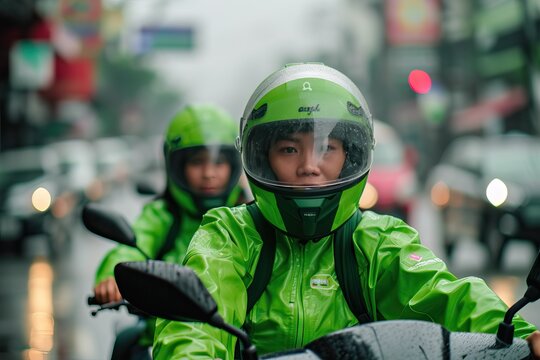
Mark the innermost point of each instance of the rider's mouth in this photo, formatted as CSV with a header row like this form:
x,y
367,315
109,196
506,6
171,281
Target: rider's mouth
x,y
208,190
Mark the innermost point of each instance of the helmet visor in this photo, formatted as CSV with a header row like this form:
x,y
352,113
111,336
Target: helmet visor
x,y
308,153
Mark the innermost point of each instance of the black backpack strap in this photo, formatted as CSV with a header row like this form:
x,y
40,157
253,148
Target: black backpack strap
x,y
172,234
263,271
346,267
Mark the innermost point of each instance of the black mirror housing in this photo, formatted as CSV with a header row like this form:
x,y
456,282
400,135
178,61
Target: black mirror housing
x,y
108,224
534,276
165,290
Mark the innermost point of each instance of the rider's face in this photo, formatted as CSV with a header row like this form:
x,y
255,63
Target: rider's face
x,y
207,173
300,159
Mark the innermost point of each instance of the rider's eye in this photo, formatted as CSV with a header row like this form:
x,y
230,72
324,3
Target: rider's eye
x,y
222,159
288,149
196,161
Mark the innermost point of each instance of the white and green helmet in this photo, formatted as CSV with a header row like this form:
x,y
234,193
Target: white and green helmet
x,y
307,97
195,127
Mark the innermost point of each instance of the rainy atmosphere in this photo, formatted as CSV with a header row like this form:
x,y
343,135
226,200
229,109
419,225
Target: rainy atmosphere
x,y
124,121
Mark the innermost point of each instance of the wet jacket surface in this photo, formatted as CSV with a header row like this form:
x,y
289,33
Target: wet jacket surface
x,y
151,229
400,279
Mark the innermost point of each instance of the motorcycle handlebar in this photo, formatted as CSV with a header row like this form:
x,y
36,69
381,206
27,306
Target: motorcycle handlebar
x,y
92,301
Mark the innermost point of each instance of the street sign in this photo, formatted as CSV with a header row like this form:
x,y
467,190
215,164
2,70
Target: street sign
x,y
152,38
31,64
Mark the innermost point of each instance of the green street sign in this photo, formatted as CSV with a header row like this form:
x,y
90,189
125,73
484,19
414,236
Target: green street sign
x,y
31,64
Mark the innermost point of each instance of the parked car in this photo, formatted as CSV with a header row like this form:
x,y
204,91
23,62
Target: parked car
x,y
33,200
392,181
488,189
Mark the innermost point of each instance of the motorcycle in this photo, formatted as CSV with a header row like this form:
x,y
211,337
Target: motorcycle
x,y
113,226
170,285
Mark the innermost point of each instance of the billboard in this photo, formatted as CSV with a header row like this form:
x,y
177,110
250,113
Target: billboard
x,y
412,22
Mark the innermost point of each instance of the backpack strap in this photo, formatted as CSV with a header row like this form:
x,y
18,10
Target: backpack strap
x,y
172,234
265,265
346,267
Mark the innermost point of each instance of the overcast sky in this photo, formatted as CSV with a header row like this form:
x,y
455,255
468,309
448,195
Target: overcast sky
x,y
237,43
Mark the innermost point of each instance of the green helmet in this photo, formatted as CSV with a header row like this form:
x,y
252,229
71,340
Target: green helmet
x,y
315,99
193,128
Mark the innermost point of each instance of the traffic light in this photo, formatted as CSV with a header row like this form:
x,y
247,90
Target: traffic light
x,y
419,81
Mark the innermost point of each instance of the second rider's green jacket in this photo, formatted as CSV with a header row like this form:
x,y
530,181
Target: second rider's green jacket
x,y
400,278
151,229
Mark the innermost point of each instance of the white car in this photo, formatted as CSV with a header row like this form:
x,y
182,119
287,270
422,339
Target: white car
x,y
33,201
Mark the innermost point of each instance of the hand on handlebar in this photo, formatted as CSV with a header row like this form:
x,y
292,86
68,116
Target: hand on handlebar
x,y
534,343
107,291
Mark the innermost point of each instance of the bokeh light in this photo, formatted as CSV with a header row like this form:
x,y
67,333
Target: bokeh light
x,y
419,81
496,192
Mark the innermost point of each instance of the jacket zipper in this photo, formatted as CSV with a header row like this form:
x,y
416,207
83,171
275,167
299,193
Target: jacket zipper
x,y
299,338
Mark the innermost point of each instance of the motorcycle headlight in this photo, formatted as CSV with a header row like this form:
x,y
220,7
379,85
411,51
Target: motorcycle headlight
x,y
509,194
41,199
496,192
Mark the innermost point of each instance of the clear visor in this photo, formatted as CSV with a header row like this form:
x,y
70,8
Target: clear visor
x,y
308,153
214,162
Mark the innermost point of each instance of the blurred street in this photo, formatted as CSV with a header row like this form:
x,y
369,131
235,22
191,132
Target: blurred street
x,y
78,335
89,88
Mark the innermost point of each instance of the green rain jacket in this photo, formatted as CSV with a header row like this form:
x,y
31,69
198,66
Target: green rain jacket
x,y
401,279
151,229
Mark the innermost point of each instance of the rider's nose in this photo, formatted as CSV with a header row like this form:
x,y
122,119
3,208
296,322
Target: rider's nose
x,y
309,165
209,170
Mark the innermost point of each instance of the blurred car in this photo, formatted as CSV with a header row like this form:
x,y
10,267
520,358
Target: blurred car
x,y
151,180
113,160
488,189
33,200
77,166
392,181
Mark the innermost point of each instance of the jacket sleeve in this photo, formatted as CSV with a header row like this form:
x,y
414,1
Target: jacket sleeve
x,y
407,281
222,265
150,230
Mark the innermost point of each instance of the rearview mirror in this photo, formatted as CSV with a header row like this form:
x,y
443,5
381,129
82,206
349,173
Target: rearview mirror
x,y
533,280
165,290
174,292
505,332
108,224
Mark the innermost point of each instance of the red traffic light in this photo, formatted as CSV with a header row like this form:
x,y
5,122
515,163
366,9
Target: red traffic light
x,y
419,81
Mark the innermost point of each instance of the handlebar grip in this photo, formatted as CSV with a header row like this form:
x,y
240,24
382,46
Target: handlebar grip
x,y
91,300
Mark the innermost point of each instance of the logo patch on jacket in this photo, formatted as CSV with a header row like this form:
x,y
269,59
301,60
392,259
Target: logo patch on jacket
x,y
415,257
323,282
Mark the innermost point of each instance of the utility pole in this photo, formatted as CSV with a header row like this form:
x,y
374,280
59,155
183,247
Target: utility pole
x,y
531,61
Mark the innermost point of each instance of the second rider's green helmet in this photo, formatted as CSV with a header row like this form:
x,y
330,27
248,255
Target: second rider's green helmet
x,y
310,99
196,127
